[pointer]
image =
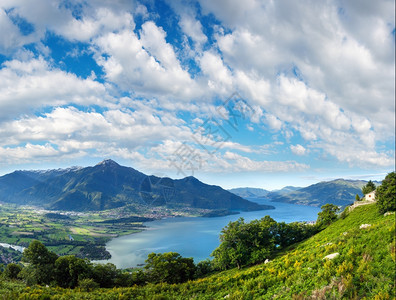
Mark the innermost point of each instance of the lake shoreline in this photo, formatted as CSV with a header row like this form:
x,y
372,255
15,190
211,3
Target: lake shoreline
x,y
194,237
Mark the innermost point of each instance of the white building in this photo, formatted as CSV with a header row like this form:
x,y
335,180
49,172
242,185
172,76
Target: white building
x,y
370,196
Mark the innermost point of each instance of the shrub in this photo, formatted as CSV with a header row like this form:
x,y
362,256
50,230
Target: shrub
x,y
169,267
88,284
12,271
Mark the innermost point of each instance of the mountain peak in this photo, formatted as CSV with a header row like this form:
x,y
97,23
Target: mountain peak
x,y
108,163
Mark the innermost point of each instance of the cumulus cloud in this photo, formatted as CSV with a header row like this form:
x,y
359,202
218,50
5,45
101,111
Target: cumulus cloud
x,y
193,28
329,45
298,149
124,128
145,66
76,21
322,72
219,77
26,85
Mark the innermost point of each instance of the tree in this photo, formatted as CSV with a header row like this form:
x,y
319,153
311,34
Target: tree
x,y
288,234
70,269
327,216
42,263
357,197
233,250
245,243
169,267
139,277
386,194
105,274
37,254
368,188
204,268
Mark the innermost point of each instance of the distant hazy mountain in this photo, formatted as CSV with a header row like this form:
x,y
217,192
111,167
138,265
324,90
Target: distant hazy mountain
x,y
109,185
286,189
249,192
339,192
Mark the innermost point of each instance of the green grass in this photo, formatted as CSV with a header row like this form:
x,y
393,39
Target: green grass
x,y
363,270
21,225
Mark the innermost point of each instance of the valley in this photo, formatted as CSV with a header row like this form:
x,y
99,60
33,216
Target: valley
x,y
77,211
83,234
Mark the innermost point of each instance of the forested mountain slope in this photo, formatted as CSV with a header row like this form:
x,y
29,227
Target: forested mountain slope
x,y
109,185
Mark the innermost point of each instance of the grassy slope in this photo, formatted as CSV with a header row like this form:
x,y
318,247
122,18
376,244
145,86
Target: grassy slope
x,y
364,269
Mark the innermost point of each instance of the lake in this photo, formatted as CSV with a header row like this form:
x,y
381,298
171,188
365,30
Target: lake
x,y
193,237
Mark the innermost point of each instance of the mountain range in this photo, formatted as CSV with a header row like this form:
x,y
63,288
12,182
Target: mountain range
x,y
108,185
340,192
247,192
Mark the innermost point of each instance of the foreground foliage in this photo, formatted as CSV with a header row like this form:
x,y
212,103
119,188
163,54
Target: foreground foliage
x,y
364,268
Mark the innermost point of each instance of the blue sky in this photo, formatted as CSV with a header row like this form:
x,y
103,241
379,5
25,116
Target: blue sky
x,y
237,93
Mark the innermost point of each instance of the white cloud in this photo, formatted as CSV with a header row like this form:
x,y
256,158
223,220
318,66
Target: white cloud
x,y
238,163
273,122
335,47
71,130
358,155
146,66
32,84
193,29
95,18
187,159
232,13
103,20
219,77
37,153
298,149
321,71
11,37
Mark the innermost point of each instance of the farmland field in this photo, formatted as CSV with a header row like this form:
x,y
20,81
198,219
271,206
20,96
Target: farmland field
x,y
81,234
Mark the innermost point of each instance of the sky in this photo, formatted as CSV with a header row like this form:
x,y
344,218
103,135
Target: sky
x,y
236,93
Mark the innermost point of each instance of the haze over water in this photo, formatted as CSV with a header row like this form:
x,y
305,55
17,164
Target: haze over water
x,y
194,237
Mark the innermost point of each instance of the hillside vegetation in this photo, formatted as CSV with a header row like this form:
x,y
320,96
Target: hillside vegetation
x,y
363,269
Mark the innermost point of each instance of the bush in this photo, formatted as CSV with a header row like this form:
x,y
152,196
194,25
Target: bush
x,y
169,267
12,271
69,269
105,274
204,268
139,277
88,284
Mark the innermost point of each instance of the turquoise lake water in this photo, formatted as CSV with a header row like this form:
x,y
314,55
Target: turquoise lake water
x,y
193,237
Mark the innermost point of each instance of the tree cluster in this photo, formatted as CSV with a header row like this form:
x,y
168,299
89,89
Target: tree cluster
x,y
368,188
386,194
44,267
244,244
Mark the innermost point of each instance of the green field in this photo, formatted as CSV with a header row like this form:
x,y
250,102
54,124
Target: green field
x,y
83,235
